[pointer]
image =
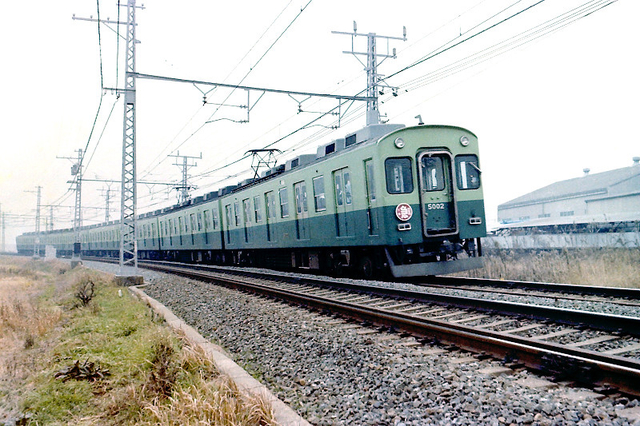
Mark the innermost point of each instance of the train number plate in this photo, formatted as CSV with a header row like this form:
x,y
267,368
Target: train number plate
x,y
435,206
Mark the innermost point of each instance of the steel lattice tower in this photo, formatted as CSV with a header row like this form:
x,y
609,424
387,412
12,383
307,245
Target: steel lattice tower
x,y
128,205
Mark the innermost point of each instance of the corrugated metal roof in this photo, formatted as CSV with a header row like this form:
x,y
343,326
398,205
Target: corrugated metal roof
x,y
597,184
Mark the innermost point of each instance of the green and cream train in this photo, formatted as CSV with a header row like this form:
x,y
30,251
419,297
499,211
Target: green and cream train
x,y
386,199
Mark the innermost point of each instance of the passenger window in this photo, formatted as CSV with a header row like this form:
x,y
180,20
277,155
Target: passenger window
x,y
284,203
433,173
216,219
347,188
256,209
318,194
339,190
467,172
398,175
247,211
236,213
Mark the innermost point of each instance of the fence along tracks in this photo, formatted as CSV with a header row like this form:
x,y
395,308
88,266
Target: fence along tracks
x,y
586,347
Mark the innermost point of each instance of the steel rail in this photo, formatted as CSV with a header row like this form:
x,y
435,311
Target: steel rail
x,y
581,365
595,320
621,292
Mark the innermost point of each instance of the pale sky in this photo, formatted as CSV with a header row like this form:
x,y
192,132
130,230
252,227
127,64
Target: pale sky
x,y
543,111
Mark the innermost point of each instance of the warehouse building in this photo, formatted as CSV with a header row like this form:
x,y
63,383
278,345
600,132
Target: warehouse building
x,y
600,195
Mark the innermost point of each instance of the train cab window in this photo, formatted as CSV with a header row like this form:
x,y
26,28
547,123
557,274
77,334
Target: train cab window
x,y
398,175
467,172
433,173
284,203
318,194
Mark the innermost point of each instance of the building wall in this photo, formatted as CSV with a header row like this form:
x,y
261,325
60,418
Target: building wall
x,y
629,203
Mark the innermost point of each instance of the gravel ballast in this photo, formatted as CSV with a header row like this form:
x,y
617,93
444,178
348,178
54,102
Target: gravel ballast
x,y
335,373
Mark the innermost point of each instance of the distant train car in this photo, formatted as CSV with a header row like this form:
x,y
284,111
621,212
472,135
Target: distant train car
x,y
386,199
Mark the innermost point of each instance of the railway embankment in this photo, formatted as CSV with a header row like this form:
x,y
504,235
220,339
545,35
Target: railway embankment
x,y
335,372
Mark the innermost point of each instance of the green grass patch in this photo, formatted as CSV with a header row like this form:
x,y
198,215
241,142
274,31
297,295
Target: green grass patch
x,y
107,361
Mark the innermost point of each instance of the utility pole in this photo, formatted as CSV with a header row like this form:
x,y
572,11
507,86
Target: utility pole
x,y
107,196
183,190
2,226
128,193
373,78
76,171
36,240
50,228
128,200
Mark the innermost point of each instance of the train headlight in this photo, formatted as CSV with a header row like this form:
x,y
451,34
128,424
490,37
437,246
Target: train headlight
x,y
399,143
464,141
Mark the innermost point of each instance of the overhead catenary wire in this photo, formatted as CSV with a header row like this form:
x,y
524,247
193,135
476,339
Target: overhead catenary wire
x,y
550,28
251,69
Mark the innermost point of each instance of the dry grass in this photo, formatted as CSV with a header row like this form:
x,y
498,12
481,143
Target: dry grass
x,y
154,377
603,267
25,322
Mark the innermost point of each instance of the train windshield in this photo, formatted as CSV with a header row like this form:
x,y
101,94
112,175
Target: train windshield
x,y
398,174
468,172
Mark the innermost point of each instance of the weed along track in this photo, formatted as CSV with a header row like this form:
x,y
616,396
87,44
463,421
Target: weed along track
x,y
362,352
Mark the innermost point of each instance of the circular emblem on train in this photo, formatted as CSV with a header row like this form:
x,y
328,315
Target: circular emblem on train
x,y
404,212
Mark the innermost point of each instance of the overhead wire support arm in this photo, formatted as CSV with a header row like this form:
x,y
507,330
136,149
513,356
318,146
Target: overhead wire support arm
x,y
251,88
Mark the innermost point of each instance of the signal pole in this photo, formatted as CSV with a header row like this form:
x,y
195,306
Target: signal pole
x,y
373,78
183,190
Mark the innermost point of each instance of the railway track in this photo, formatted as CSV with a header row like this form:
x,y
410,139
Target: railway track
x,y
599,350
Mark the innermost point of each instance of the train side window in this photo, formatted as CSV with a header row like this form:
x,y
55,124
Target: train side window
x,y
206,220
216,218
398,175
339,188
192,219
270,204
256,209
199,221
246,206
318,193
284,203
236,213
348,199
467,172
433,173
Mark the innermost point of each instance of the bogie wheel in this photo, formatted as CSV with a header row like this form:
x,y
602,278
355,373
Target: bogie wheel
x,y
365,267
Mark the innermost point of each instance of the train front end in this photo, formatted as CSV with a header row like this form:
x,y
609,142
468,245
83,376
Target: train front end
x,y
433,203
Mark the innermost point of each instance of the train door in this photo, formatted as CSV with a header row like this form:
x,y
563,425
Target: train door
x,y
302,212
372,212
227,212
246,208
344,202
436,193
270,214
